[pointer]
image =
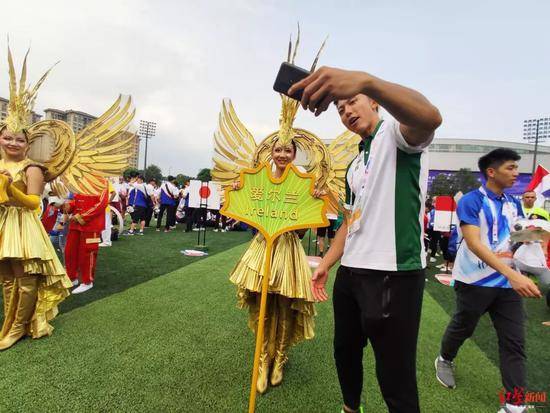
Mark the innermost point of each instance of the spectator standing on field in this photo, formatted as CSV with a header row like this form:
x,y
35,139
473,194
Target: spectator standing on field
x,y
485,280
169,198
138,200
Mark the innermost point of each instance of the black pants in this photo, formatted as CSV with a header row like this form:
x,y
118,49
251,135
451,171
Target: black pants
x,y
222,218
148,216
444,244
170,215
138,215
384,308
435,239
505,308
190,217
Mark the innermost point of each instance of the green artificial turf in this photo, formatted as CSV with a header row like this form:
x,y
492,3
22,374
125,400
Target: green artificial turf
x,y
136,259
178,343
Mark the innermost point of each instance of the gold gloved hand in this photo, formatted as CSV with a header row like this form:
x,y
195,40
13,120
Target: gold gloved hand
x,y
31,202
4,184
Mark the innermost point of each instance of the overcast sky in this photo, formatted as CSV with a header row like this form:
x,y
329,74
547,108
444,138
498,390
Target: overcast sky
x,y
485,64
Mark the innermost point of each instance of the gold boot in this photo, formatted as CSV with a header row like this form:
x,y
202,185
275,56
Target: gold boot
x,y
267,343
284,332
7,292
263,372
26,304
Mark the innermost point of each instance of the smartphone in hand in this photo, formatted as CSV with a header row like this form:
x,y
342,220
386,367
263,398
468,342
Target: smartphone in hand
x,y
289,75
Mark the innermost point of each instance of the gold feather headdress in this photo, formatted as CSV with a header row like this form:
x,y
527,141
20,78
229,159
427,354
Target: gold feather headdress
x,y
82,161
22,99
235,147
290,106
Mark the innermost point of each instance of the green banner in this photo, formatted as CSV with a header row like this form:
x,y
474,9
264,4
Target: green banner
x,y
274,206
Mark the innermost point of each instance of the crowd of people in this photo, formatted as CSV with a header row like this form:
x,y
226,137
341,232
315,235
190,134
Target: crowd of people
x,y
129,203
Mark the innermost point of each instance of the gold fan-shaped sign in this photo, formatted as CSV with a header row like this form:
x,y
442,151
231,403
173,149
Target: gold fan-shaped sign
x,y
275,205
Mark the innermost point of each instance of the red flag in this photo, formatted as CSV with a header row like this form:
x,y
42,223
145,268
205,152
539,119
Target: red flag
x,y
539,184
445,213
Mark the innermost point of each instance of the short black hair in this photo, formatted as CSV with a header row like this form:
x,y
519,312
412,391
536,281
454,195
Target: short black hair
x,y
496,158
335,102
140,177
170,178
534,215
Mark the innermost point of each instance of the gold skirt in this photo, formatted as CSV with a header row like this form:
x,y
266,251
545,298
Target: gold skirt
x,y
290,276
24,239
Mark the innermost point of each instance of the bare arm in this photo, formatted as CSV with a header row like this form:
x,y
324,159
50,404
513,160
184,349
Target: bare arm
x,y
417,116
35,181
336,249
522,284
335,252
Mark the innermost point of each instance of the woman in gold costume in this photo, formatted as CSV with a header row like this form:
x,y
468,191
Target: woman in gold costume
x,y
290,303
34,281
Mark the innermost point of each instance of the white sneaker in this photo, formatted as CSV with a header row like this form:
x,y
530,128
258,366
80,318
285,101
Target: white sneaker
x,y
215,229
75,283
223,230
82,288
432,259
104,244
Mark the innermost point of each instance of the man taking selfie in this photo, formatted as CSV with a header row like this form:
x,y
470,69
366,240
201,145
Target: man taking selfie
x,y
378,289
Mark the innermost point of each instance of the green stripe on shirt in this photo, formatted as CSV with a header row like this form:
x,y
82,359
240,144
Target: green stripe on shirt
x,y
408,246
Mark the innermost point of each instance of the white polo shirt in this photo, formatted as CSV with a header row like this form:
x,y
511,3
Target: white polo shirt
x,y
386,187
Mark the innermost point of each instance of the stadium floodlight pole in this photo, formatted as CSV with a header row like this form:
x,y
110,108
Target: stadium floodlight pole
x,y
146,131
537,130
536,147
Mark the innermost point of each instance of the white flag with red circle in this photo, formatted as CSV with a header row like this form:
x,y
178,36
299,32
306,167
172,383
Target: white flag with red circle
x,y
203,195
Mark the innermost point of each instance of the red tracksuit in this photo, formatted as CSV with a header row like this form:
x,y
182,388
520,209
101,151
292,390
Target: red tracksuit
x,y
84,235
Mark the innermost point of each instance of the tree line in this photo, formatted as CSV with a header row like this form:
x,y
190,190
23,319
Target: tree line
x,y
154,172
463,181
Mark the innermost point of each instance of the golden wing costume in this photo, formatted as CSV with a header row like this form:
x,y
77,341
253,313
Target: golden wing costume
x,y
34,281
290,307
